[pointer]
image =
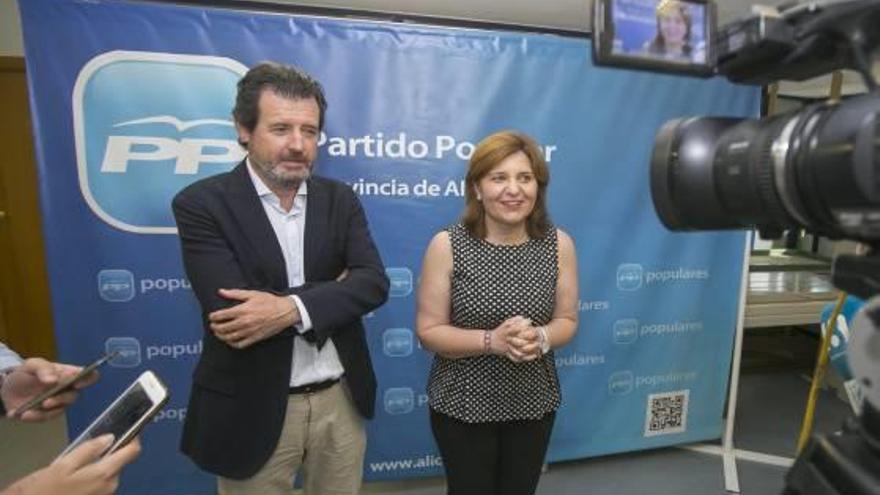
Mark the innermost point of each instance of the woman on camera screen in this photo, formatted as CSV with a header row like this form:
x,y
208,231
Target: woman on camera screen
x,y
674,32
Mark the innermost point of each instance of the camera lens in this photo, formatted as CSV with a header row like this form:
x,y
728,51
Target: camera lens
x,y
682,178
818,168
833,168
715,173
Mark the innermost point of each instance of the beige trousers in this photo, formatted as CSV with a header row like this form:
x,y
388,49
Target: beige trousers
x,y
325,436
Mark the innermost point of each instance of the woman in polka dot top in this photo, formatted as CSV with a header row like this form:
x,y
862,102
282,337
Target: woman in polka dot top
x,y
498,293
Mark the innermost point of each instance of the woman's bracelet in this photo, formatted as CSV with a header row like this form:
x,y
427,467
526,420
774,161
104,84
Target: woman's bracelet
x,y
544,333
487,342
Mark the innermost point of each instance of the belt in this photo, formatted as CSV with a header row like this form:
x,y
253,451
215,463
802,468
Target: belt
x,y
313,387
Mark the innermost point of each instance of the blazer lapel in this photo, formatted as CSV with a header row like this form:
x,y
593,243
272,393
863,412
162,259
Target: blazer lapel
x,y
251,217
316,211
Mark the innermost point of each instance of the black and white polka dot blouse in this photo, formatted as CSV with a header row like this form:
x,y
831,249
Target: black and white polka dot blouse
x,y
491,283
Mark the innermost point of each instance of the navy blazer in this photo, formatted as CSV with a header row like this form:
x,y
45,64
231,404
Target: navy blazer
x,y
239,396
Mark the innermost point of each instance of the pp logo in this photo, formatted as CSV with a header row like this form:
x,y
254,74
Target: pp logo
x,y
128,349
620,383
629,276
626,331
397,342
147,124
401,281
116,285
400,400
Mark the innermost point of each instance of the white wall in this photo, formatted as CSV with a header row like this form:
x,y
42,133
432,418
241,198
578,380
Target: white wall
x,y
570,15
10,29
820,87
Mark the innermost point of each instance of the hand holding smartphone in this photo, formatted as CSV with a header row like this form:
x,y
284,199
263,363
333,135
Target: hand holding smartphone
x,y
62,386
127,415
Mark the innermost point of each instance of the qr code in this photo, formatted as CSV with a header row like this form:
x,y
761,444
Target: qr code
x,y
666,413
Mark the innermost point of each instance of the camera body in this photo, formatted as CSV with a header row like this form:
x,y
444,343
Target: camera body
x,y
817,168
801,42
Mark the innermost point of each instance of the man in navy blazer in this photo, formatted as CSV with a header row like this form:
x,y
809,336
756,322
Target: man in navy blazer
x,y
284,268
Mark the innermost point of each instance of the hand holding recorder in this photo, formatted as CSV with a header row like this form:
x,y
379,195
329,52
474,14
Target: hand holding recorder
x,y
38,389
82,472
126,416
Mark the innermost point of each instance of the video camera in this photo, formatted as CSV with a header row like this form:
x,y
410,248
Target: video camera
x,y
817,168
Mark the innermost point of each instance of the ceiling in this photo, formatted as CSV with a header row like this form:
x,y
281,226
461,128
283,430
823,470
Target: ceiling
x,y
567,15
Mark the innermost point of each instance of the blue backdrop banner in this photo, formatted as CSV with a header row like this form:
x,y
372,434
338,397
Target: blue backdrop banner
x,y
131,101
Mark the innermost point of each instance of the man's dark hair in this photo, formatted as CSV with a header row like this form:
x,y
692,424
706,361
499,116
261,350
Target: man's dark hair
x,y
283,80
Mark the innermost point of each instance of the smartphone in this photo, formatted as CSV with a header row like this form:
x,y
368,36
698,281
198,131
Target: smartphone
x,y
63,385
128,414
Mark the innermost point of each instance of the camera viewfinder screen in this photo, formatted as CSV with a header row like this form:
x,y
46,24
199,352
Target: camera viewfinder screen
x,y
665,31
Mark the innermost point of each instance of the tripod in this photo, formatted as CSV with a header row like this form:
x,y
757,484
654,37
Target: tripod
x,y
847,462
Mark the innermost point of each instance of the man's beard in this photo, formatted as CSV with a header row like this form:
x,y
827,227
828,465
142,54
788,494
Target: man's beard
x,y
287,181
272,174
